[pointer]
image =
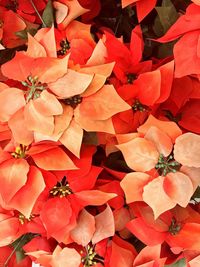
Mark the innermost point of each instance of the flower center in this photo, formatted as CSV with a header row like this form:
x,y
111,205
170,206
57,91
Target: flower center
x,y
130,77
64,44
174,227
20,152
61,189
167,164
34,88
171,117
137,106
23,219
90,257
73,101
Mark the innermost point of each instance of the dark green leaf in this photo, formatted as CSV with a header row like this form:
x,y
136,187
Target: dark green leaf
x,y
48,14
23,240
167,14
20,255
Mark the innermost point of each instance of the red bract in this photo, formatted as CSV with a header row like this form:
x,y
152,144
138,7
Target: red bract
x,y
173,226
10,20
182,106
144,95
25,9
76,40
186,27
127,62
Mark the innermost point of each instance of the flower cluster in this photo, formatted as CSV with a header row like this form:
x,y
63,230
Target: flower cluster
x,y
99,133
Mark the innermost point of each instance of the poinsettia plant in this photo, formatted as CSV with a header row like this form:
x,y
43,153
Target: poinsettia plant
x,y
99,133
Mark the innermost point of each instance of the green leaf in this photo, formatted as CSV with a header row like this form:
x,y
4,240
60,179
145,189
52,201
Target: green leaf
x,y
20,255
180,263
22,34
167,14
48,14
23,240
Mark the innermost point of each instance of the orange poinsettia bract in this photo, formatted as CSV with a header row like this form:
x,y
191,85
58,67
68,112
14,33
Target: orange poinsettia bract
x,y
174,174
99,133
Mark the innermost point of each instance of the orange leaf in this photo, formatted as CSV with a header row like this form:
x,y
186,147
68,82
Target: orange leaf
x,y
193,173
104,69
187,238
120,256
72,138
62,121
149,84
133,184
169,127
13,175
36,121
94,197
24,200
105,226
67,256
46,37
188,144
98,55
126,3
155,196
47,104
49,69
18,68
61,11
145,233
140,154
148,254
56,214
11,100
99,105
71,84
144,7
19,129
53,159
161,140
84,230
189,42
179,188
94,125
167,76
9,229
136,44
74,10
35,49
